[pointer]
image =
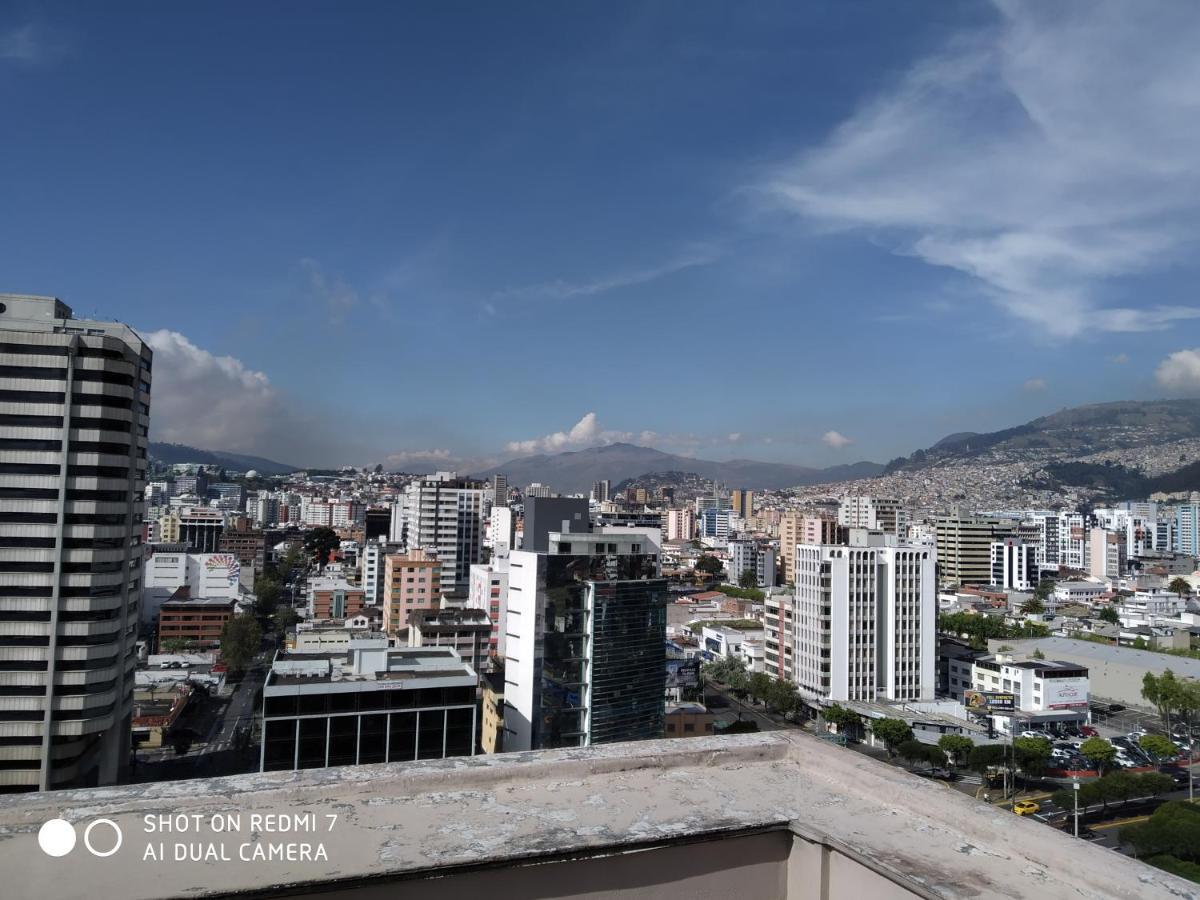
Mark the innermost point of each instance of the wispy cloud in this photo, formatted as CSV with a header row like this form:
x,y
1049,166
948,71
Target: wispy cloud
x,y
336,296
1119,359
566,290
1034,385
1180,372
836,440
1043,157
30,45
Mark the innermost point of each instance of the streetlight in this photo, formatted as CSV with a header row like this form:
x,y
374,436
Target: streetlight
x,y
1075,786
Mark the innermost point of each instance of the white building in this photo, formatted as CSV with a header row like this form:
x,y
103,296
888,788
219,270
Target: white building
x,y
681,524
1045,691
873,513
751,556
1062,540
488,590
443,513
1014,564
74,420
865,620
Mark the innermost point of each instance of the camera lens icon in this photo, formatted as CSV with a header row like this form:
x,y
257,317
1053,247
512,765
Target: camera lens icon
x,y
57,837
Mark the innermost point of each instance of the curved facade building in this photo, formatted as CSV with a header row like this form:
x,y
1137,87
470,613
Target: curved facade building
x,y
74,424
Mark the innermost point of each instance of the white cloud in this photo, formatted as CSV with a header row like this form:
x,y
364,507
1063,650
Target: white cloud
x,y
439,455
565,290
735,437
1180,372
584,433
1044,157
207,401
1119,359
836,440
1033,385
28,44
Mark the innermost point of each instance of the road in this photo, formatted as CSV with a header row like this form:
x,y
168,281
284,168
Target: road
x,y
729,708
239,709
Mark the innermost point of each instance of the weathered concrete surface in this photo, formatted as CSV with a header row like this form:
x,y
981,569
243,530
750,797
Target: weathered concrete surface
x,y
404,819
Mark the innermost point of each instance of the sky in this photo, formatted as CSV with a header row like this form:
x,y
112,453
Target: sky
x,y
441,235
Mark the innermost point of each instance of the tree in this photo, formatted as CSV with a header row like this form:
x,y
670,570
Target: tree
x,y
1031,755
1033,607
239,641
957,748
1038,654
1109,614
984,758
783,696
748,579
319,543
176,645
760,685
378,468
1044,589
1158,746
893,733
1180,585
1173,829
709,565
1098,751
267,591
285,617
1164,692
847,721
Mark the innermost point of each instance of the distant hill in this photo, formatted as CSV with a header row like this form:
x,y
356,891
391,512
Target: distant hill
x,y
173,454
1080,430
575,471
1114,482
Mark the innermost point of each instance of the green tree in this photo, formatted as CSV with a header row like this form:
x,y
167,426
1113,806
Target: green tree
x,y
267,591
1038,654
320,542
957,748
239,641
1173,829
1033,607
760,686
709,565
783,696
176,645
748,579
847,721
1031,755
285,617
984,758
1165,692
893,733
1099,752
1180,585
1109,614
1158,746
1044,589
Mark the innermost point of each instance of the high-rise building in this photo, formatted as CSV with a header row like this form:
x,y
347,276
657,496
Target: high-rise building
x,y
201,528
865,620
1187,528
742,503
964,547
74,421
601,490
1106,554
546,514
800,528
754,557
499,490
411,581
681,524
885,514
444,514
586,660
1014,564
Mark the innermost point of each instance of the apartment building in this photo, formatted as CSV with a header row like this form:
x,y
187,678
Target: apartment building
x,y
411,581
1014,565
74,421
865,620
197,620
443,514
964,547
333,597
467,631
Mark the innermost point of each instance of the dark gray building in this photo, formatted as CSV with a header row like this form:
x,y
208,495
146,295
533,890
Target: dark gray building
x,y
546,514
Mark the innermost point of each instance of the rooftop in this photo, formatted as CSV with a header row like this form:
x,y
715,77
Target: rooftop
x,y
767,815
1094,653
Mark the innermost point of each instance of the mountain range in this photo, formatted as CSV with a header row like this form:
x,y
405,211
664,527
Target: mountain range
x,y
174,454
1077,431
575,471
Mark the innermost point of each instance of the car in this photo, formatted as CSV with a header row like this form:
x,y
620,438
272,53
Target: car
x,y
1137,732
1177,774
1026,807
1088,731
1115,707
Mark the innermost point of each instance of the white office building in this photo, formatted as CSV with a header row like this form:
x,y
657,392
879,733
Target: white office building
x,y
1014,565
74,425
865,620
444,514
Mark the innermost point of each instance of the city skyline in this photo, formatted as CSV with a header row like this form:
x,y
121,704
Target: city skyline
x,y
987,214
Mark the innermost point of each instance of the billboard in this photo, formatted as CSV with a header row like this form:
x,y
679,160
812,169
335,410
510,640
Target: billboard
x,y
1064,693
683,673
990,701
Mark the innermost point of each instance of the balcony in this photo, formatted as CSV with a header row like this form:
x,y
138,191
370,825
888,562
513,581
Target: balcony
x,y
759,816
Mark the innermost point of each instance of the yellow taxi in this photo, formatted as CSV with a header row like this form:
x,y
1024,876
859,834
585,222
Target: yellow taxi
x,y
1026,807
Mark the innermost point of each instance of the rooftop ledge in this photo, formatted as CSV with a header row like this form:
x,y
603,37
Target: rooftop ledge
x,y
766,815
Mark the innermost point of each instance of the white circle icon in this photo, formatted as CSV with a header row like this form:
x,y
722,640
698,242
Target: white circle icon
x,y
57,837
87,837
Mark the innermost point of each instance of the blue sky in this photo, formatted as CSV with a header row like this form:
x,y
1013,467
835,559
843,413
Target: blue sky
x,y
453,233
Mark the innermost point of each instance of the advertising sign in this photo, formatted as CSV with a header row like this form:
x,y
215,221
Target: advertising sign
x,y
990,701
1064,693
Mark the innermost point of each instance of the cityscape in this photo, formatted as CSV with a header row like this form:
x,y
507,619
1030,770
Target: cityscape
x,y
809,624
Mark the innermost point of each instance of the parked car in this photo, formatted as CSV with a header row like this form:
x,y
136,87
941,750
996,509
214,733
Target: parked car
x,y
1178,774
1088,731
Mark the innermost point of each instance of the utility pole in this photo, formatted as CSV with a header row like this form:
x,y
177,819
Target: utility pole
x,y
1075,785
